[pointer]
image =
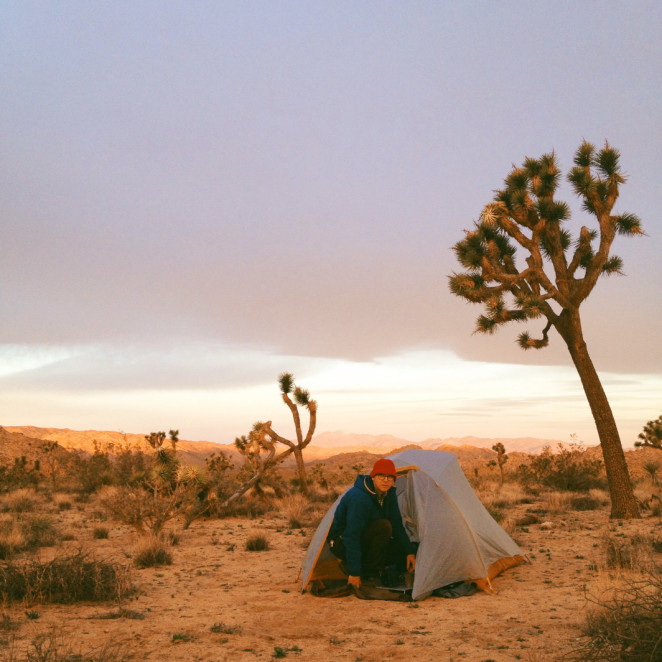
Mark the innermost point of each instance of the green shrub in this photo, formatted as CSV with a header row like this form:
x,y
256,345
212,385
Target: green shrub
x,y
568,469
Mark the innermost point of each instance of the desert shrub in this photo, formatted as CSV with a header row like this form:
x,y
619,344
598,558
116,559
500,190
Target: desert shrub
x,y
246,508
64,580
257,544
496,495
12,539
152,553
570,468
634,553
100,533
584,502
296,508
90,472
527,519
20,474
627,624
20,501
38,531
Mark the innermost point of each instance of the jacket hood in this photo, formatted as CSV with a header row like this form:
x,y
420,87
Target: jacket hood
x,y
365,484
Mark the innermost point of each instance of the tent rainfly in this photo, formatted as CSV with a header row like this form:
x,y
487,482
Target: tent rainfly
x,y
458,539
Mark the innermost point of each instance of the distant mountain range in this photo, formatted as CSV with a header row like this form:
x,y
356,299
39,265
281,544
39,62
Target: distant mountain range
x,y
26,439
346,442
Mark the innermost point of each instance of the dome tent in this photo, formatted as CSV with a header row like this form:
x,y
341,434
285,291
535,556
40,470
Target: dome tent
x,y
458,539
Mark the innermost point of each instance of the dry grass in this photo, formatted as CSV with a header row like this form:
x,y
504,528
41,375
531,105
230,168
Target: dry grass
x,y
20,501
64,580
257,544
492,494
52,647
152,552
12,539
625,622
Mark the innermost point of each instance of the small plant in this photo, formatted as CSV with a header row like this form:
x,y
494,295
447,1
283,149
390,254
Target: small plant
x,y
152,553
100,533
585,502
6,623
280,652
129,614
257,544
39,531
222,628
181,637
634,553
496,513
20,501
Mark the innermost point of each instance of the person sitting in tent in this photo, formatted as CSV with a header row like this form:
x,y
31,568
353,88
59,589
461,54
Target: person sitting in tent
x,y
367,533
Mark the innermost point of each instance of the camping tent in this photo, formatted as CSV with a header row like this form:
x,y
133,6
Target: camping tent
x,y
458,539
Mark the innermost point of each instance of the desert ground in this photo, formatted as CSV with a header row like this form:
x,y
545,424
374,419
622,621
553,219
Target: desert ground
x,y
219,601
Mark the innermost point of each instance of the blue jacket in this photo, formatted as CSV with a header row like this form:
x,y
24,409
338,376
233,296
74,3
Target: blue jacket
x,y
358,508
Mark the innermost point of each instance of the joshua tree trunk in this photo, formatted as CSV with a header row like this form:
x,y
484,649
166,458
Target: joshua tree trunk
x,y
623,502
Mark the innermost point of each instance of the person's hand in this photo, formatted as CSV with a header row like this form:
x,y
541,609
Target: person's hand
x,y
411,562
354,580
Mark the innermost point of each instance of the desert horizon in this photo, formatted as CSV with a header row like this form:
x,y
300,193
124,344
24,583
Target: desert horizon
x,y
227,586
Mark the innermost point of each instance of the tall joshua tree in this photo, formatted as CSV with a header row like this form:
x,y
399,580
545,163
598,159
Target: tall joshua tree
x,y
301,399
555,276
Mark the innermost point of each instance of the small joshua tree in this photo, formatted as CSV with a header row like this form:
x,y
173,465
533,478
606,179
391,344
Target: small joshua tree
x,y
502,458
651,469
651,436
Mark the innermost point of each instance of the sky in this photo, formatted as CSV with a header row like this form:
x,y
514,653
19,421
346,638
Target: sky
x,y
198,196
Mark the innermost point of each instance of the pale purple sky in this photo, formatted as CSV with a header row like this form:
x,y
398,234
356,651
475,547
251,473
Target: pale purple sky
x,y
197,196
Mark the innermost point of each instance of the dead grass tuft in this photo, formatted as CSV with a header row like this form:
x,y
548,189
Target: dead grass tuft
x,y
152,552
64,580
51,647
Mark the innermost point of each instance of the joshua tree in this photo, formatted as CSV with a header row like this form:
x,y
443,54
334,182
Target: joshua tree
x,y
652,435
555,276
651,469
502,458
302,398
50,449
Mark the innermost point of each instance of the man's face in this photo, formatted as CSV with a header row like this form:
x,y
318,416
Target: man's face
x,y
382,483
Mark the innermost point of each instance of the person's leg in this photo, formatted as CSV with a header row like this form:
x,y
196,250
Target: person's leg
x,y
374,545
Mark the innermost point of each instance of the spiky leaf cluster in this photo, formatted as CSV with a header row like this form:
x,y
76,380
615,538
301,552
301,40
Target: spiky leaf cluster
x,y
286,382
651,436
525,215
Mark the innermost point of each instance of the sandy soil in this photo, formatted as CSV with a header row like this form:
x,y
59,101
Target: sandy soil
x,y
218,601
